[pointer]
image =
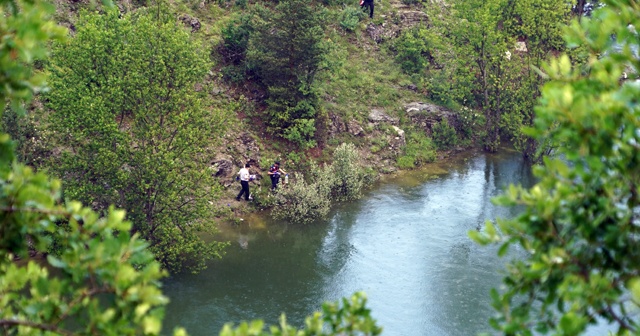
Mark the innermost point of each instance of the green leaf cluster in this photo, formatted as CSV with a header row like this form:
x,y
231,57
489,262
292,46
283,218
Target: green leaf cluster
x,y
348,317
413,49
134,129
580,224
419,149
105,281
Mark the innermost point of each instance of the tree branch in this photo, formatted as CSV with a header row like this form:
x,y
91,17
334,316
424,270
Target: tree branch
x,y
41,326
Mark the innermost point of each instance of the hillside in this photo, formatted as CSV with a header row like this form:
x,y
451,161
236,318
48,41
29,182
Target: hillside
x,y
154,107
365,98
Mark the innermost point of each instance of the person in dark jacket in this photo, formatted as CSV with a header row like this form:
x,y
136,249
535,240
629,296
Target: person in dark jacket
x,y
274,173
369,4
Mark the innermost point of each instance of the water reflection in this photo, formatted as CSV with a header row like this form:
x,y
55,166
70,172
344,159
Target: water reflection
x,y
405,244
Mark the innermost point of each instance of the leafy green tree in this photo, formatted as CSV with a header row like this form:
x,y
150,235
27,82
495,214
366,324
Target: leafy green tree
x,y
475,45
539,24
286,51
580,224
102,265
135,130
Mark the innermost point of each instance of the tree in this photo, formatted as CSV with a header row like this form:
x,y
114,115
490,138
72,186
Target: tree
x,y
480,67
63,295
580,224
286,51
135,131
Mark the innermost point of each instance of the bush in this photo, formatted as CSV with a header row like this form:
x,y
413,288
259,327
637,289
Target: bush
x,y
413,52
471,123
349,174
305,201
301,202
419,150
444,135
406,162
337,2
235,39
33,146
350,18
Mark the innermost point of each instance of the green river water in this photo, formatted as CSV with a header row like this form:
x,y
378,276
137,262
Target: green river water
x,y
404,244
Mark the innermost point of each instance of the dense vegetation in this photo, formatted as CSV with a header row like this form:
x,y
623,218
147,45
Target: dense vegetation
x,y
581,223
104,280
135,133
131,120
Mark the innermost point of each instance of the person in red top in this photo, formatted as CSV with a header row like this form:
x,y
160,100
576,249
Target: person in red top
x,y
274,173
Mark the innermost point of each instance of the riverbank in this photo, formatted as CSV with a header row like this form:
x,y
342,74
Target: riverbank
x,y
235,212
404,243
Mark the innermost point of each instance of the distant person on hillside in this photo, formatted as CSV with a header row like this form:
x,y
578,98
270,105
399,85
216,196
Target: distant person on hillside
x,y
274,172
369,4
244,177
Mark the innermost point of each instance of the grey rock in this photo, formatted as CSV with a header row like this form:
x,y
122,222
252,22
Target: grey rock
x,y
355,128
417,108
222,168
192,22
377,116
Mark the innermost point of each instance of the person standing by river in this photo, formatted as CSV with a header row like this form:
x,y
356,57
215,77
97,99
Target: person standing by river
x,y
244,176
274,173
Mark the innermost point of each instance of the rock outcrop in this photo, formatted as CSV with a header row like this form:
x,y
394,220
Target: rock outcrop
x,y
404,17
378,115
426,115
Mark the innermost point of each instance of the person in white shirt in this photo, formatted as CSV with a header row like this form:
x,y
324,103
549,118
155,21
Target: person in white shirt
x,y
244,181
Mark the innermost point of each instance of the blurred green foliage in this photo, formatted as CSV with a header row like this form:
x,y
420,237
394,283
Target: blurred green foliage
x,y
579,227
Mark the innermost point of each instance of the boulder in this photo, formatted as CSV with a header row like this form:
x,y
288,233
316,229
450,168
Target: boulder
x,y
192,22
378,116
400,132
354,128
336,126
420,108
427,114
222,168
521,47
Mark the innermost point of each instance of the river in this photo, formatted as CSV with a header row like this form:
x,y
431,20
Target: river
x,y
404,244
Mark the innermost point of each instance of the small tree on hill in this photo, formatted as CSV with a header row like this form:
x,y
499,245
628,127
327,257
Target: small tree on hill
x,y
286,51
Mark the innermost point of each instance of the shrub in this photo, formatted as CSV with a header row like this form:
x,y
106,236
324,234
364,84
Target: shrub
x,y
471,123
305,201
235,39
444,135
349,174
406,162
350,18
419,147
301,202
413,52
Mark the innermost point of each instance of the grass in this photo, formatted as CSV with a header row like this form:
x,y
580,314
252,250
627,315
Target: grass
x,y
366,77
